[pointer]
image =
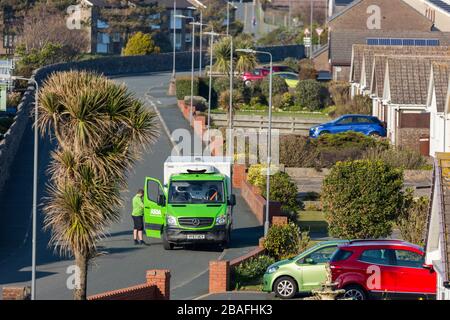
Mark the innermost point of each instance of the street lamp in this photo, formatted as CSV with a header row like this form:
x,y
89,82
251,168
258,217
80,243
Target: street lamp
x,y
230,107
269,133
201,33
312,13
174,36
35,178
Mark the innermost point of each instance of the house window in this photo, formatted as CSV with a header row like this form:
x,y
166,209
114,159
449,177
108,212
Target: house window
x,y
177,40
116,37
155,20
178,21
8,40
102,24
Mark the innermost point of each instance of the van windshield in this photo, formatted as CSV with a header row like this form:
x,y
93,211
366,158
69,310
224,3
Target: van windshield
x,y
188,192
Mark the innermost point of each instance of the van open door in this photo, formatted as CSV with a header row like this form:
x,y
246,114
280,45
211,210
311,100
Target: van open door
x,y
154,208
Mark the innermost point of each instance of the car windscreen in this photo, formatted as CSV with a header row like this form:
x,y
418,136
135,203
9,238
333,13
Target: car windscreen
x,y
196,192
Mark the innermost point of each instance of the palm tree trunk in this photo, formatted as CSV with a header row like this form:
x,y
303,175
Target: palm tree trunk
x,y
81,260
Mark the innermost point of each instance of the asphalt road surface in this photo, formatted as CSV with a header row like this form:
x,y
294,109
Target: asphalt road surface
x,y
120,263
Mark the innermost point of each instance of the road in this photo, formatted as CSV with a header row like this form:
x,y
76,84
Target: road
x,y
120,263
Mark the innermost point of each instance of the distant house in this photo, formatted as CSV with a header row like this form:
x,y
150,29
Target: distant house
x,y
357,23
438,227
106,41
437,11
438,105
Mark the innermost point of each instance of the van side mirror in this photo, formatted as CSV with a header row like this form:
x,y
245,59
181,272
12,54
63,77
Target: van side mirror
x,y
232,200
161,200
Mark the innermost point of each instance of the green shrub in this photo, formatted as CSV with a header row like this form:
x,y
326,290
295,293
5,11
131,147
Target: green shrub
x,y
310,94
140,44
340,92
349,139
297,151
13,99
285,241
283,190
397,157
306,70
283,101
412,221
183,85
199,103
362,198
251,270
291,63
255,175
358,105
224,100
279,86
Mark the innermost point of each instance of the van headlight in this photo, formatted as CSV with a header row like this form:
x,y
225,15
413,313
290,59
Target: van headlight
x,y
171,221
221,220
272,269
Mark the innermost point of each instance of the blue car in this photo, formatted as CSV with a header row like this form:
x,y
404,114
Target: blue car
x,y
368,125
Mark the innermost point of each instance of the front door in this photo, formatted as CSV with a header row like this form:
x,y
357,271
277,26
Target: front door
x,y
154,208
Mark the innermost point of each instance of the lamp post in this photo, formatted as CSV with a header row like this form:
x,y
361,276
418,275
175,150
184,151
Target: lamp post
x,y
269,135
174,37
192,61
230,119
312,13
35,178
228,16
201,24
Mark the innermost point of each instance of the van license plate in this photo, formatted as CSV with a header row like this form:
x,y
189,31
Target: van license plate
x,y
196,236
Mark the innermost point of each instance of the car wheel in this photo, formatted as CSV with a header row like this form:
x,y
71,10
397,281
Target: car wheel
x,y
285,288
248,83
374,134
166,244
355,292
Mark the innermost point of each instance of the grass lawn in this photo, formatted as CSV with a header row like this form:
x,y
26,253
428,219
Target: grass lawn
x,y
314,221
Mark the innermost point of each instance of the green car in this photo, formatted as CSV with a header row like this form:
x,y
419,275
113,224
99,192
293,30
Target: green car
x,y
302,273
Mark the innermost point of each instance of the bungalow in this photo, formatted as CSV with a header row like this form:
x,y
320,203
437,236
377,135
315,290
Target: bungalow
x,y
437,11
404,95
363,57
437,245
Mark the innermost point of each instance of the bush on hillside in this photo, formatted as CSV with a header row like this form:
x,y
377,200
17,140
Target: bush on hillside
x,y
279,86
183,85
285,241
310,94
306,70
412,221
140,44
362,198
283,190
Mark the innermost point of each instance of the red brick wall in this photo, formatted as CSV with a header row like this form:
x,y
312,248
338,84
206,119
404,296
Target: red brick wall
x,y
219,276
16,293
321,62
157,287
239,175
257,203
139,292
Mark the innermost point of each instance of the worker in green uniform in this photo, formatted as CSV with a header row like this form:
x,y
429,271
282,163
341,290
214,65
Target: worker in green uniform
x,y
138,217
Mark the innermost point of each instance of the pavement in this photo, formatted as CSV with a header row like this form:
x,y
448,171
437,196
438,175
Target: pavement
x,y
120,263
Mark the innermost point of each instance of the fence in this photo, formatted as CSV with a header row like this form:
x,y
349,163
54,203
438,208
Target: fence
x,y
286,125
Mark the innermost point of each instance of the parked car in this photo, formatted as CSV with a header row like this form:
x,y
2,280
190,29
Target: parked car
x,y
256,74
368,125
291,78
384,268
280,68
302,273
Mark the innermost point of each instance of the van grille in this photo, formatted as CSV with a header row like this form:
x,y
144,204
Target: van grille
x,y
195,222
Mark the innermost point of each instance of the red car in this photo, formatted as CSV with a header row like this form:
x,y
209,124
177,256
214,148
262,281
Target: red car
x,y
256,74
384,268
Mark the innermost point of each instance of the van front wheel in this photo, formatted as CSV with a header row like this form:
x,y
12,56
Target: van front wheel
x,y
166,244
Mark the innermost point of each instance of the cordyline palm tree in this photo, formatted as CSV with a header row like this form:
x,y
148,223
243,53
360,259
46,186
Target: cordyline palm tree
x,y
242,62
101,131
